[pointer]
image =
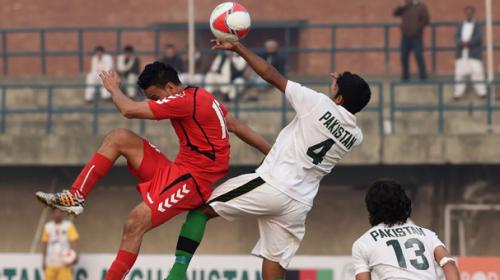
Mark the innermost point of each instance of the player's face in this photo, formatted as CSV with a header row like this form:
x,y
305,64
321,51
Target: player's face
x,y
57,215
154,93
157,93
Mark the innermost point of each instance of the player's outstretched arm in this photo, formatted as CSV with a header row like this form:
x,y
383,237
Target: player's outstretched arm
x,y
248,135
447,263
259,65
127,107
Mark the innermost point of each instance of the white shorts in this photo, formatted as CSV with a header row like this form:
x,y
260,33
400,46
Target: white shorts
x,y
281,219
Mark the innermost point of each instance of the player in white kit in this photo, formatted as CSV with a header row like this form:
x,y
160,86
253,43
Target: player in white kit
x,y
395,248
281,191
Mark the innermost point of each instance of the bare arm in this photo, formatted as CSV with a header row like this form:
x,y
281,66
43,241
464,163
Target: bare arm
x,y
44,253
127,107
74,247
450,269
246,134
363,276
259,65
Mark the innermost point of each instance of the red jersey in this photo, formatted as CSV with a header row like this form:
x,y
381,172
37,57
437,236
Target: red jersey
x,y
198,120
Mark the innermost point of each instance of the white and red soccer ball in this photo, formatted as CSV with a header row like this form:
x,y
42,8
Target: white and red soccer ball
x,y
230,21
69,256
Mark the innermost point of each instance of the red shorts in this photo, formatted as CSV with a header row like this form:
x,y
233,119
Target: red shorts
x,y
167,188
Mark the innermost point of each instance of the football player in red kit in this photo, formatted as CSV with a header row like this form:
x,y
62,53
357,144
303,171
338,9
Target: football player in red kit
x,y
167,187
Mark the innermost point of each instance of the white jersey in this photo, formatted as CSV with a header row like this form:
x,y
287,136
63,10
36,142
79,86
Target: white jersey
x,y
58,238
398,252
308,148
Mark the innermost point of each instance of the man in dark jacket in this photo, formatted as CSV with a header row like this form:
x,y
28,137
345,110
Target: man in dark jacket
x,y
469,40
172,58
415,17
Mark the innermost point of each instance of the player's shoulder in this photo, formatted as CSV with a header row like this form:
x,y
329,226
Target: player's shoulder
x,y
49,225
67,223
365,237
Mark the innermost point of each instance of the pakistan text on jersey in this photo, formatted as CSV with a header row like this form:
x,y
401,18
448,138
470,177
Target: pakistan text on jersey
x,y
342,135
396,232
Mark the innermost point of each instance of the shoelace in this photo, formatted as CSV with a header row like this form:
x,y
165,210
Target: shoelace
x,y
66,199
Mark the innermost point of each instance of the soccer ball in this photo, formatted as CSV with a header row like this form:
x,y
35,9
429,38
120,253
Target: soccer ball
x,y
69,256
230,21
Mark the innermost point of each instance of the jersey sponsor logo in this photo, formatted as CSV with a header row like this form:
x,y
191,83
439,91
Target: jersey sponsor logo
x,y
381,233
174,198
342,135
169,98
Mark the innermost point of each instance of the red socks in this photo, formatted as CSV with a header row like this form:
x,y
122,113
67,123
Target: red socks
x,y
121,266
95,169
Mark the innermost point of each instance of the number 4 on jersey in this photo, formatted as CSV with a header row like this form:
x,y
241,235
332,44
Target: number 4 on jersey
x,y
318,151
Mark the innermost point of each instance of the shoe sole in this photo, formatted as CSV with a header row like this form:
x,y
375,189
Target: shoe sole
x,y
67,210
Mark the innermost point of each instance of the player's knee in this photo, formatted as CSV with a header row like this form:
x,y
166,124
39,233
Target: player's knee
x,y
136,225
118,137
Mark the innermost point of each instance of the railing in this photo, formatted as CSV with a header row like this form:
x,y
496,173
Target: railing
x,y
440,105
96,109
154,45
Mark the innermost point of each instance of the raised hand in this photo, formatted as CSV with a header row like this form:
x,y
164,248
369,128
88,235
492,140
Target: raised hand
x,y
223,45
110,80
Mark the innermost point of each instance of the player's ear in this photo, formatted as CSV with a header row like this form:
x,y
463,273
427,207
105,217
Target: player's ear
x,y
170,87
339,99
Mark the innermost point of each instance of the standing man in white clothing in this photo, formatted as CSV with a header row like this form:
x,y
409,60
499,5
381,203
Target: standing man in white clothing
x,y
227,69
100,62
281,191
469,39
128,67
395,248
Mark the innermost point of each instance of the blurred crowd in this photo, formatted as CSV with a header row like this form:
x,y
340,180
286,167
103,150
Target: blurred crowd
x,y
228,74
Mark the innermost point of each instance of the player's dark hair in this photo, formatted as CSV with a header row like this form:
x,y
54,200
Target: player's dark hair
x,y
354,90
158,74
387,203
169,46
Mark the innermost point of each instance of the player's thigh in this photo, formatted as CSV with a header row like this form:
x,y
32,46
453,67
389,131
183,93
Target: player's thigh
x,y
246,195
281,236
65,273
144,159
172,192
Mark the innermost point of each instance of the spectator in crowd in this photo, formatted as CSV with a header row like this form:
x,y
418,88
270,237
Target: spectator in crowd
x,y
415,17
128,67
101,61
272,56
172,58
198,76
227,68
469,40
59,240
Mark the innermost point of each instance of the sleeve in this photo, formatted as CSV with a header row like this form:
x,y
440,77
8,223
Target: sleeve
x,y
434,240
359,259
302,99
222,108
73,233
45,235
172,107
